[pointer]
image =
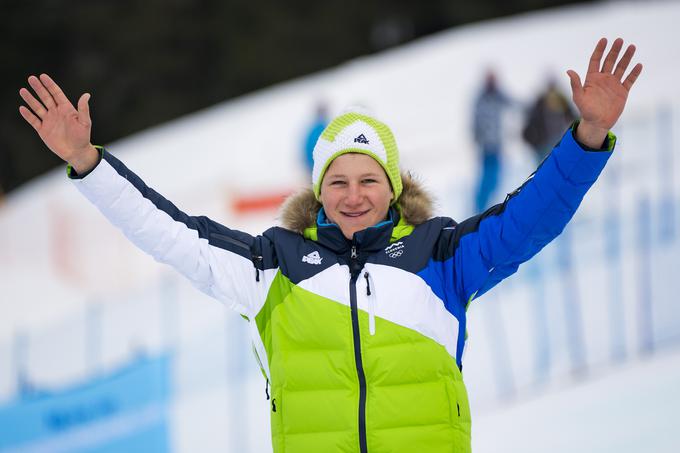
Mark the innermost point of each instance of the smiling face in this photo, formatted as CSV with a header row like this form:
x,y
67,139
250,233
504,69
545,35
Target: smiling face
x,y
355,193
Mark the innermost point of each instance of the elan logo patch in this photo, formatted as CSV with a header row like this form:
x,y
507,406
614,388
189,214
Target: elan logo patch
x,y
361,139
312,258
395,250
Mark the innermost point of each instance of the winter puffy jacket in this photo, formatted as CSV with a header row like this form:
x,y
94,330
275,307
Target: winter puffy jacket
x,y
361,340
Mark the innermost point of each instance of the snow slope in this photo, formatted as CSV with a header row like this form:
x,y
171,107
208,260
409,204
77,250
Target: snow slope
x,y
631,408
578,350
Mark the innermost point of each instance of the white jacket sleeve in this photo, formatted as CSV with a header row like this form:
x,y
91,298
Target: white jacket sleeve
x,y
218,261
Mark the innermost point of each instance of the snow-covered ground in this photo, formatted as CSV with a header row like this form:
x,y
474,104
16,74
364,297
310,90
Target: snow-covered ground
x,y
631,408
578,350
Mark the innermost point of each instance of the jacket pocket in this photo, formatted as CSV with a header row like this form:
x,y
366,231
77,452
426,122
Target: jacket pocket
x,y
276,417
459,406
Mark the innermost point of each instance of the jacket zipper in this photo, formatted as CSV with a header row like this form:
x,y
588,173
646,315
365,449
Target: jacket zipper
x,y
354,274
371,304
242,245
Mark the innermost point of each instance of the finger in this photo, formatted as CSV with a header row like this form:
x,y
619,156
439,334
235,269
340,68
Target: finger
x,y
42,92
612,56
576,86
33,103
30,118
624,62
53,88
596,57
632,77
84,109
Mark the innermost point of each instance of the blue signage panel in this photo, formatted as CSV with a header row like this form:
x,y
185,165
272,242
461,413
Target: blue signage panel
x,y
122,411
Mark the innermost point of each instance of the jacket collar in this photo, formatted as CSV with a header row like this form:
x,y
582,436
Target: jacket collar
x,y
370,239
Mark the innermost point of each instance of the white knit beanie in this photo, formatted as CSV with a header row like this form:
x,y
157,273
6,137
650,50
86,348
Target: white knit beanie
x,y
357,132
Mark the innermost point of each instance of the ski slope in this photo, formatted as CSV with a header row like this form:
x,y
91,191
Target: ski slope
x,y
560,356
632,408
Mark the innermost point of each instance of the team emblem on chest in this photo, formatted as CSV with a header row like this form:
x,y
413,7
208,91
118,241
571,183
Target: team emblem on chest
x,y
395,250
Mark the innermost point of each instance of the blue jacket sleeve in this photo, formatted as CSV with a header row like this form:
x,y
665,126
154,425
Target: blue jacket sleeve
x,y
492,245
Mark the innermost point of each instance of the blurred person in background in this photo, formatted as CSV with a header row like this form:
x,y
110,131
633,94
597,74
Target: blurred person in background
x,y
546,119
487,128
314,132
357,306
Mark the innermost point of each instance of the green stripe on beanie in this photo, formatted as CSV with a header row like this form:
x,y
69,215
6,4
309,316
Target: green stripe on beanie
x,y
355,132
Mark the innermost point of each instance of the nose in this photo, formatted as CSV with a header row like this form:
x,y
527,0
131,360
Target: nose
x,y
354,195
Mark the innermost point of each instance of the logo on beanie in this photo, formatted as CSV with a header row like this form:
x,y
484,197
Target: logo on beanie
x,y
361,139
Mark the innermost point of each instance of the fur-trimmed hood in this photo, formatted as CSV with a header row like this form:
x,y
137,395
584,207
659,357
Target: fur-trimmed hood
x,y
300,210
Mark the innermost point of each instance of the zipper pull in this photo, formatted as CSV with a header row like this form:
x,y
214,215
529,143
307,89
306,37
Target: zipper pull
x,y
371,305
266,389
353,253
257,271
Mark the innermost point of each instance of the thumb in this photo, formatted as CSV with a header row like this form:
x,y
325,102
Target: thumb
x,y
84,109
576,86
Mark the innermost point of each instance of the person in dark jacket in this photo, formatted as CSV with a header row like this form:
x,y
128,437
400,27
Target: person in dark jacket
x,y
546,120
488,134
357,306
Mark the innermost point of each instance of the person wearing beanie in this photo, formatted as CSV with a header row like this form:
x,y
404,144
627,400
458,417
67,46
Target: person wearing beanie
x,y
357,304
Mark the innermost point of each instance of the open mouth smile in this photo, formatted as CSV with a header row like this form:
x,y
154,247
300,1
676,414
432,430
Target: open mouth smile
x,y
354,214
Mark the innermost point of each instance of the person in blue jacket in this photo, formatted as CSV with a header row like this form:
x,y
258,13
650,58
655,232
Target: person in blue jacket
x,y
357,305
313,133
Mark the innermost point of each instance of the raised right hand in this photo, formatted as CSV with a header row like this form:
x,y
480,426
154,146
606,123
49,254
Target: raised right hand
x,y
65,130
602,98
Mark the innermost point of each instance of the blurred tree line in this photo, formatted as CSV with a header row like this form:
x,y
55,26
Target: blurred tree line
x,y
147,62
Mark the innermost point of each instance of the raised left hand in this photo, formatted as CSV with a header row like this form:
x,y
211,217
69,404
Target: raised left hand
x,y
63,128
602,98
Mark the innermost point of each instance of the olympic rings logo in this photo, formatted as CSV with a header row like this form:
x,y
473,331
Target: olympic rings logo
x,y
395,250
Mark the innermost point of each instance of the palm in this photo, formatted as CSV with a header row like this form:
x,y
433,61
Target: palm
x,y
65,130
602,98
61,130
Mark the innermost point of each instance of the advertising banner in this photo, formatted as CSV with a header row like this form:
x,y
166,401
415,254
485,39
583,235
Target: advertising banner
x,y
123,411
